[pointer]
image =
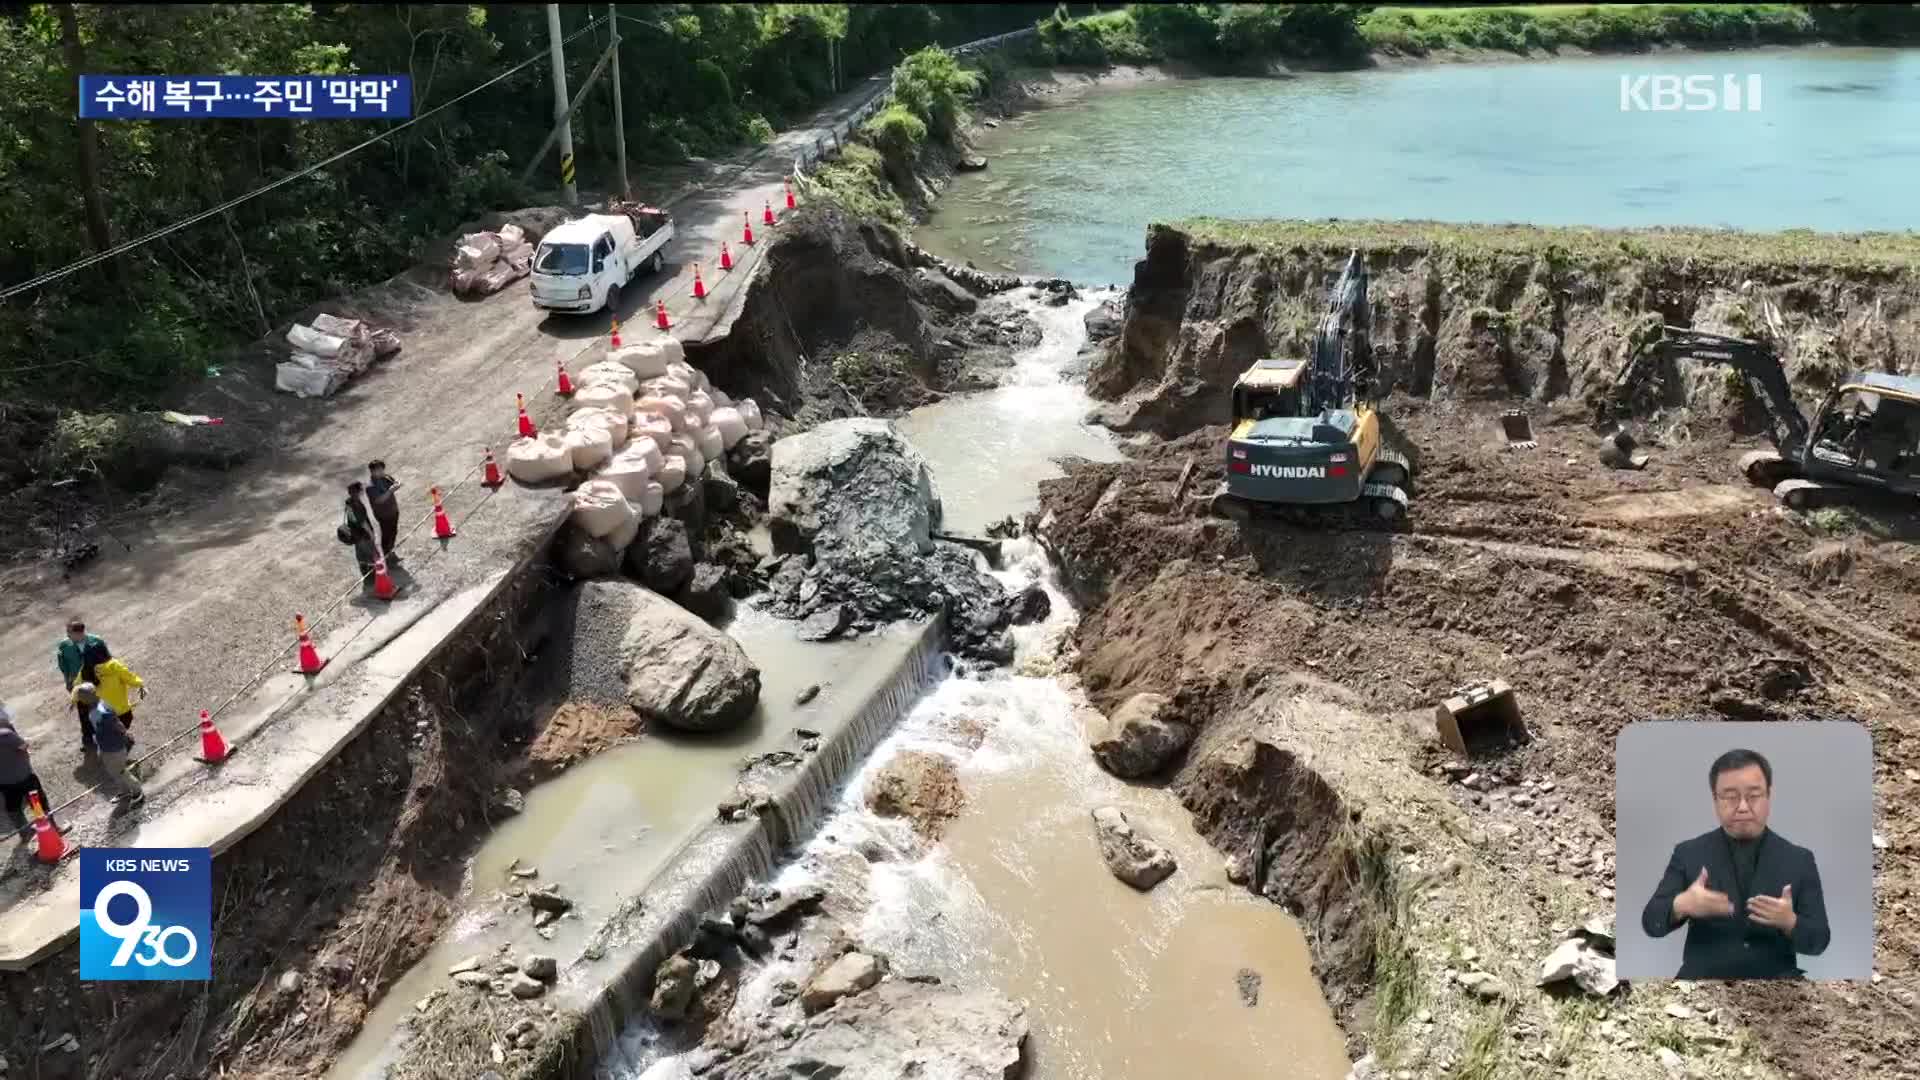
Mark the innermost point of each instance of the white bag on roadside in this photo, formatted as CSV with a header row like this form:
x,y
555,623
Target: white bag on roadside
x,y
625,534
600,509
589,447
615,398
672,408
672,474
609,374
720,398
307,339
652,426
632,469
712,444
701,405
538,460
750,412
646,359
652,499
617,424
688,448
730,424
666,386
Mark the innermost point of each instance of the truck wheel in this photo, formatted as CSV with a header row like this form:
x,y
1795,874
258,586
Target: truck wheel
x,y
655,263
613,299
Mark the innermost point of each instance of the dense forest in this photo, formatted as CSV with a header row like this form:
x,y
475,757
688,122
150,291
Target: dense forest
x,y
696,80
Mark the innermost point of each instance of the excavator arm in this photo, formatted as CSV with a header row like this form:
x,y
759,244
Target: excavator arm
x,y
1348,316
1754,361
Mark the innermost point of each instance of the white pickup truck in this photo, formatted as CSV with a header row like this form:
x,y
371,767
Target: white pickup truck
x,y
582,265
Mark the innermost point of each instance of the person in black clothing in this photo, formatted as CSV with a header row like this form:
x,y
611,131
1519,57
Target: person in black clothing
x,y
357,530
386,508
1750,900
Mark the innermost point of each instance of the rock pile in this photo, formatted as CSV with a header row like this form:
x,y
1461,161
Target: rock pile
x,y
853,510
667,665
330,353
486,262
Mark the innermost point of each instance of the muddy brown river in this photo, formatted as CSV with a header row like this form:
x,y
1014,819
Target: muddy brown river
x,y
1116,983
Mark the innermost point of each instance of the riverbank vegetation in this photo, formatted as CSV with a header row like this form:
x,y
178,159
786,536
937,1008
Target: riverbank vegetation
x,y
1235,35
697,81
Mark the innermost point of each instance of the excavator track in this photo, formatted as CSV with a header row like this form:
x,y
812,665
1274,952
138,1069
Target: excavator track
x,y
1380,508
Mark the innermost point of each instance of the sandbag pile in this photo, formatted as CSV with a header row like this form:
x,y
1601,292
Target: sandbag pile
x,y
486,262
330,353
645,424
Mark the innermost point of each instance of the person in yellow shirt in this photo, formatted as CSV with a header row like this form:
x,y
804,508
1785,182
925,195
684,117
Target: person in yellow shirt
x,y
118,688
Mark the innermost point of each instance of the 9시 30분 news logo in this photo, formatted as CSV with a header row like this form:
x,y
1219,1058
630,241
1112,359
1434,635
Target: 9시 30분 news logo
x,y
146,913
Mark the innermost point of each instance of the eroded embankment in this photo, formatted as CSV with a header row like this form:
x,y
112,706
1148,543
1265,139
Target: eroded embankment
x,y
1472,313
1311,659
346,886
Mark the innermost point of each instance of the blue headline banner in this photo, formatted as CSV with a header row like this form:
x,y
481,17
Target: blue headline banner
x,y
192,97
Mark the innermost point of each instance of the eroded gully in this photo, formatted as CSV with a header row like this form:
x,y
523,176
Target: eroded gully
x,y
1014,894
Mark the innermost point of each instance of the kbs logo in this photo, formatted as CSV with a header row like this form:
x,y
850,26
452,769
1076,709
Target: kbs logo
x,y
1690,93
146,913
1292,472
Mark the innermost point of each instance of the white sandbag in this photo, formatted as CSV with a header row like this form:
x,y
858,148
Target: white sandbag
x,y
600,510
633,468
720,399
646,359
750,412
674,409
689,374
666,386
307,339
652,427
590,447
652,499
612,398
625,534
593,416
346,329
730,424
610,375
537,460
700,405
688,448
712,443
476,251
510,235
672,474
304,379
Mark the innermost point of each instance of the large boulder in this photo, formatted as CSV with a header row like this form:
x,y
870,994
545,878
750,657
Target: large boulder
x,y
1132,856
705,593
856,486
852,973
751,463
680,672
1139,740
899,1028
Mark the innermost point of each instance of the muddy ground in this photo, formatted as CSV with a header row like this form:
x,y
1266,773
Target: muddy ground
x,y
1602,596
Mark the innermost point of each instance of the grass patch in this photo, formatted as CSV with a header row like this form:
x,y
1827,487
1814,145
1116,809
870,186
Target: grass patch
x,y
1480,1051
1396,966
1573,1024
1876,252
857,182
1833,519
1524,28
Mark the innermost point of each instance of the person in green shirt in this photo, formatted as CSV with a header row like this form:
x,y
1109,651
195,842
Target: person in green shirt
x,y
78,654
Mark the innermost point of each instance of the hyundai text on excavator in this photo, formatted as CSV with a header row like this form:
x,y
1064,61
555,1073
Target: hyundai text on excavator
x,y
1307,440
1864,437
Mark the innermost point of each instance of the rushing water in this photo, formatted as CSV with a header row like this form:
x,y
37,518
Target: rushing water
x,y
1116,983
1069,191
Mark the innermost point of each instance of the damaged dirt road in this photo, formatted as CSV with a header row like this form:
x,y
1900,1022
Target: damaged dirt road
x,y
1312,661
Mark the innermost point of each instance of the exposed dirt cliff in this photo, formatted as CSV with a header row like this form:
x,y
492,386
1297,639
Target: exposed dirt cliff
x,y
1500,312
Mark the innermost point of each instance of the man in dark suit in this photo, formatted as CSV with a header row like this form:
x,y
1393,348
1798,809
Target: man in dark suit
x,y
1749,899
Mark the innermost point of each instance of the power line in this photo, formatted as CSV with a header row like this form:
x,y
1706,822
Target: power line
x,y
121,249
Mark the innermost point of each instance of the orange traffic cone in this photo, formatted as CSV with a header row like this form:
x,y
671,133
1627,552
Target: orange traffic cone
x,y
616,334
442,528
699,287
565,386
493,479
527,430
213,748
746,231
48,845
310,662
789,186
660,315
769,218
726,257
383,586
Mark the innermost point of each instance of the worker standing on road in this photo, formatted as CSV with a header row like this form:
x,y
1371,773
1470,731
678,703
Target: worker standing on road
x,y
77,654
386,507
357,530
17,779
115,744
118,686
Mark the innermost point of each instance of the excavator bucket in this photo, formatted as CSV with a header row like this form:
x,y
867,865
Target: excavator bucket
x,y
1480,718
1519,430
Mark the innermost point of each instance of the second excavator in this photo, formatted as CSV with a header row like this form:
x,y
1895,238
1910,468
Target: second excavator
x,y
1308,440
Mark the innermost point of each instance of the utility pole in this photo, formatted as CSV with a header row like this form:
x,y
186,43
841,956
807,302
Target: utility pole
x,y
560,111
619,109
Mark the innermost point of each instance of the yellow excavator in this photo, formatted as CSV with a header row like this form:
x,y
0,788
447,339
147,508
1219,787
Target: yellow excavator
x,y
1308,441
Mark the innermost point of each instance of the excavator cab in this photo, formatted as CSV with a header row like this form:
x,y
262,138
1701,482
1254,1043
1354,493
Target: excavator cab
x,y
1268,389
1871,428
